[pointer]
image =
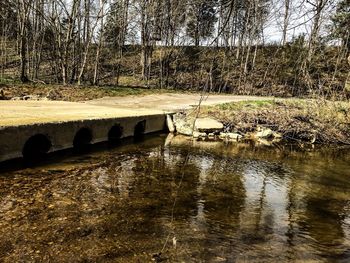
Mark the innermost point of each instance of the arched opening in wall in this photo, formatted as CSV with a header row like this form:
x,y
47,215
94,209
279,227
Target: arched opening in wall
x,y
139,130
115,133
82,139
36,147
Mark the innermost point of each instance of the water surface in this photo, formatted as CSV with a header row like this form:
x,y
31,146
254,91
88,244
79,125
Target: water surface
x,y
179,202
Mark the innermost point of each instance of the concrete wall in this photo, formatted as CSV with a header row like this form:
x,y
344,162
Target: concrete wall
x,y
61,135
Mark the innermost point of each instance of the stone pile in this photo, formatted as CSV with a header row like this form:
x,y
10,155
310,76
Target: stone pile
x,y
211,129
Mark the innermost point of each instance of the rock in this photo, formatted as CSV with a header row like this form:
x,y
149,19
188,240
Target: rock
x,y
184,130
183,127
234,136
231,136
208,125
28,97
211,136
169,139
277,135
314,138
265,142
223,135
199,135
170,123
264,133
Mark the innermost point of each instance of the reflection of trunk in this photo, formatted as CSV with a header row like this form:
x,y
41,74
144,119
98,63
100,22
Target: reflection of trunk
x,y
260,208
292,198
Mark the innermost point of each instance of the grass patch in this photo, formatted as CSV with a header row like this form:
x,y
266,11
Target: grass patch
x,y
8,80
253,104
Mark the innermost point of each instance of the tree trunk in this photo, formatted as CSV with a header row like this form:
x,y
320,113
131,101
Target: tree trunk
x,y
285,21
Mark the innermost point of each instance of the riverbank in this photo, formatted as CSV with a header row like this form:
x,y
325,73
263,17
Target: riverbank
x,y
291,120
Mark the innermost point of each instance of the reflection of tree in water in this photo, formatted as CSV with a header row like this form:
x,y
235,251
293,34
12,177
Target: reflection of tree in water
x,y
318,206
158,180
262,226
119,207
219,199
259,237
323,221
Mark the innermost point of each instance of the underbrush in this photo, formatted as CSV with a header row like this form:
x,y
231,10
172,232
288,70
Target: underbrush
x,y
314,121
69,93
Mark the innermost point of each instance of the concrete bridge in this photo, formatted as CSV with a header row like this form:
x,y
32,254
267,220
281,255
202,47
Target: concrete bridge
x,y
31,128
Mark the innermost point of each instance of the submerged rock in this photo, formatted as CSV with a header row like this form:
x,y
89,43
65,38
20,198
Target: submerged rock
x,y
230,136
211,136
169,139
234,136
199,135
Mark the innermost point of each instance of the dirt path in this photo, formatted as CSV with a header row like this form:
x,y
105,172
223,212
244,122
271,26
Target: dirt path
x,y
168,101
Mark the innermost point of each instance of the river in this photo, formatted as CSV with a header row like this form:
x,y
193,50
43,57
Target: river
x,y
155,201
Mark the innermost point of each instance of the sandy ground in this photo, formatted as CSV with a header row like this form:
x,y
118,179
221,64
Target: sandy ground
x,y
14,113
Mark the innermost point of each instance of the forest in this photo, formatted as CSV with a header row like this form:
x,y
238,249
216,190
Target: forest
x,y
261,47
